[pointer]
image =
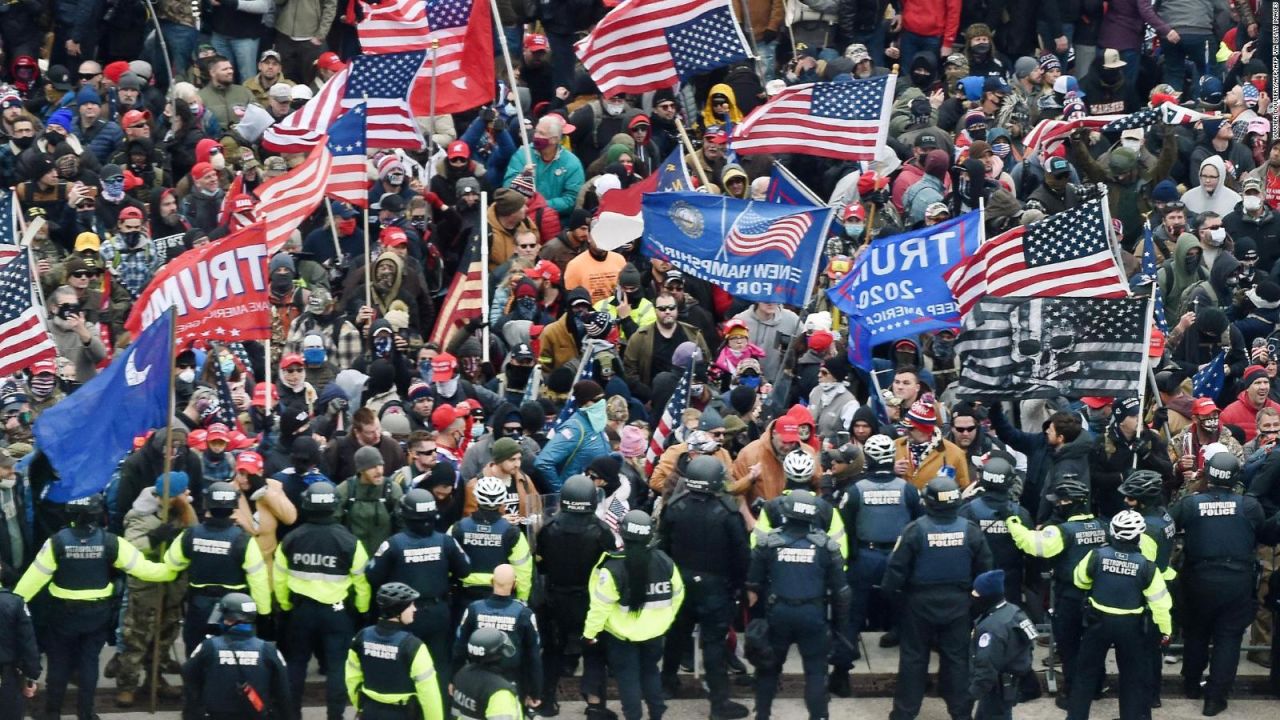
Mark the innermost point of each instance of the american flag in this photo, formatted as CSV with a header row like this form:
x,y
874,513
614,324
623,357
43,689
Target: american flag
x,y
462,302
1147,275
349,177
644,45
753,233
287,200
841,120
585,372
23,337
382,82
670,419
9,230
305,127
464,65
1046,347
395,26
1047,129
1174,114
1145,117
1065,255
1210,379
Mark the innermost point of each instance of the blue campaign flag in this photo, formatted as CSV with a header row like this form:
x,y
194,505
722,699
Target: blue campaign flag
x,y
896,290
758,251
1209,380
787,189
85,435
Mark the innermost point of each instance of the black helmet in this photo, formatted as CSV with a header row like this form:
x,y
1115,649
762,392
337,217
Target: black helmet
x,y
394,597
637,527
704,474
320,497
800,505
578,495
942,493
233,609
1069,486
1143,485
86,509
418,504
1222,468
997,475
221,496
489,645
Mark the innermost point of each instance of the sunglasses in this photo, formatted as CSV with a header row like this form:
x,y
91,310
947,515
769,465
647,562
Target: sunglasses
x,y
424,453
457,161
957,428
665,308
85,274
89,76
526,245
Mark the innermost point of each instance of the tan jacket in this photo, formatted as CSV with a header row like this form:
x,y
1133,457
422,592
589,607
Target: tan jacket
x,y
772,479
503,243
530,500
664,474
943,452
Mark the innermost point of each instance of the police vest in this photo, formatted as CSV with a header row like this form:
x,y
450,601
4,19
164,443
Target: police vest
x,y
487,544
499,614
84,564
386,658
1160,528
799,569
696,524
232,660
945,557
1078,538
990,519
323,552
1216,528
1119,578
421,563
660,590
570,548
471,689
823,520
882,510
216,555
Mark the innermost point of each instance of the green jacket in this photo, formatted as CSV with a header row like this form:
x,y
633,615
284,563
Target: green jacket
x,y
368,511
305,18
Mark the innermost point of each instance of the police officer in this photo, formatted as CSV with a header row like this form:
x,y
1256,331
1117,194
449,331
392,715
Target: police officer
x,y
799,467
1122,587
988,510
793,570
19,656
635,596
479,691
569,546
1000,648
389,672
934,564
1071,533
426,560
489,539
221,557
1143,491
236,675
704,533
317,567
1218,577
76,563
502,611
876,508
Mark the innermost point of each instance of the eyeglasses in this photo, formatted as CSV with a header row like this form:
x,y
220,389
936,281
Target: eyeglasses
x,y
665,308
85,274
1209,176
957,428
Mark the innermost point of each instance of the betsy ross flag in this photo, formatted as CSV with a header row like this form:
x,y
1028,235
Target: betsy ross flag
x,y
644,45
304,128
464,60
842,120
394,26
462,302
1210,379
753,233
287,200
1046,347
670,419
349,175
381,83
1065,255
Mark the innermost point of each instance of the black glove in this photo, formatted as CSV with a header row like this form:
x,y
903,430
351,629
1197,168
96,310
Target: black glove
x,y
489,114
1160,418
163,534
769,36
1144,446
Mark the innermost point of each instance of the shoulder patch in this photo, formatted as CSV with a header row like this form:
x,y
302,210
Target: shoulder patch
x,y
566,433
984,640
382,548
1029,628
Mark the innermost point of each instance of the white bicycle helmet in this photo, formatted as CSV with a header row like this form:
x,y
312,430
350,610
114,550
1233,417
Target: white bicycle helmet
x,y
490,492
798,467
880,449
1128,525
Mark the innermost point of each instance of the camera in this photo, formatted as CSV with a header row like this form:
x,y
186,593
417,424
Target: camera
x,y
66,310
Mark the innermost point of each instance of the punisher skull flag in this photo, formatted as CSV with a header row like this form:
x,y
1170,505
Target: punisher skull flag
x,y
1046,347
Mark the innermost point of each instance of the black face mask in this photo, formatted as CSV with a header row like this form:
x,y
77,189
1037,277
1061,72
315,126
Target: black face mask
x,y
22,143
52,138
981,50
281,284
981,605
1110,76
978,133
921,80
518,376
1190,263
634,298
131,238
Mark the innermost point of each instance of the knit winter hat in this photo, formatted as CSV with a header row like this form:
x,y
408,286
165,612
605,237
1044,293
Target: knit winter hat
x,y
523,184
585,391
178,483
742,399
389,164
633,442
367,458
989,584
507,202
1252,374
922,416
504,449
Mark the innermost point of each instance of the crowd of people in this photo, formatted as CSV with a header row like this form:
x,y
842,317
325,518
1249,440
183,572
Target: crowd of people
x,y
451,526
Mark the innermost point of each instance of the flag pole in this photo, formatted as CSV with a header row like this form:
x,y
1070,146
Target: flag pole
x,y
164,500
267,406
484,275
511,82
333,232
688,146
368,260
431,128
1146,360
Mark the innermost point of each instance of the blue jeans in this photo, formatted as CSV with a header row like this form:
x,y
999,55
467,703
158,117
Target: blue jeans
x,y
874,41
768,52
1190,47
181,41
242,52
1134,60
1049,35
910,43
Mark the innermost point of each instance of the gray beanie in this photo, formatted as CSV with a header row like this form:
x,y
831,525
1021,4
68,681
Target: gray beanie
x,y
366,458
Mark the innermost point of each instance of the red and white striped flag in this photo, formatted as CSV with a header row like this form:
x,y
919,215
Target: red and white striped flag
x,y
844,120
23,337
1047,130
394,26
1065,255
462,302
670,420
464,58
305,127
287,200
349,176
1174,114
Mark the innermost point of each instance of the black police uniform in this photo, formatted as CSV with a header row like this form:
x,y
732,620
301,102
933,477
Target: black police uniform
x,y
387,685
706,537
488,539
19,656
506,613
217,678
988,512
216,550
934,564
472,688
876,509
1218,579
793,569
425,563
1161,530
568,547
999,656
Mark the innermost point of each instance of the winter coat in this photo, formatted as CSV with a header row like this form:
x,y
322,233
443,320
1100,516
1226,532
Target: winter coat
x,y
1243,414
569,450
942,453
772,478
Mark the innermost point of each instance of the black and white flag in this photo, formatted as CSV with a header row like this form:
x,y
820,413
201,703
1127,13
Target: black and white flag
x,y
1046,347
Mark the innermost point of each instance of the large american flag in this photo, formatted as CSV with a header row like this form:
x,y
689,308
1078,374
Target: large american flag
x,y
23,337
670,419
1065,255
464,60
395,26
1048,129
1174,114
305,127
382,83
463,300
349,176
644,45
753,233
841,120
287,200
1047,347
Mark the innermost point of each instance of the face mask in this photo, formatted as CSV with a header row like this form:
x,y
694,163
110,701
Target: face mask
x,y
218,161
208,192
978,133
627,165
227,366
853,229
281,283
52,137
113,190
395,179
597,415
131,238
695,390
509,109
526,306
1210,425
382,345
1217,237
541,143
1259,83
828,386
921,80
195,108
1190,263
614,108
419,224
187,376
22,143
1251,202
980,49
1002,149
346,227
634,298
314,356
751,381
1176,230
477,430
448,388
424,370
42,385
9,483
1131,144
943,350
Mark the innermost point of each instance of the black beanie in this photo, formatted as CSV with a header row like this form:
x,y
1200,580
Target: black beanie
x,y
742,399
532,418
560,380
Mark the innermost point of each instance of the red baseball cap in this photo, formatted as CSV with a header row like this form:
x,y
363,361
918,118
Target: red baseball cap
x,y
262,392
458,149
218,431
241,203
201,169
787,429
444,416
250,462
130,213
1203,406
1095,402
330,61
291,359
393,237
443,367
133,117
544,270
536,43
44,366
715,134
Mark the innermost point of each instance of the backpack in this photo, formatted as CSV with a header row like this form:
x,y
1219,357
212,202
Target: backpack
x,y
387,501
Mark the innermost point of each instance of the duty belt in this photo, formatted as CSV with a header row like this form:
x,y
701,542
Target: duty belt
x,y
775,600
875,545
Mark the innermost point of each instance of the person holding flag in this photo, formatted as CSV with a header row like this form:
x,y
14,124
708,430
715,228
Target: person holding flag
x,y
573,446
